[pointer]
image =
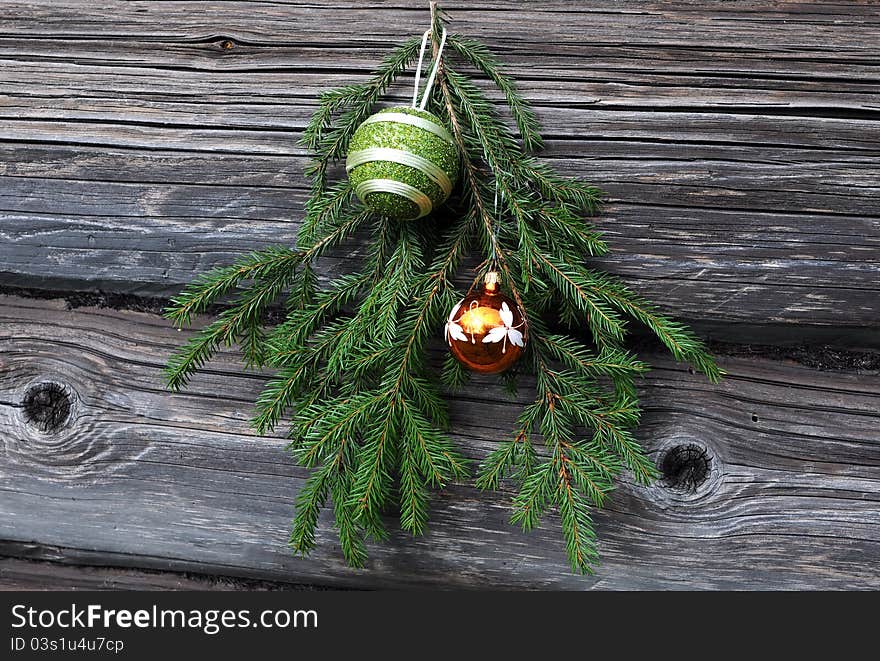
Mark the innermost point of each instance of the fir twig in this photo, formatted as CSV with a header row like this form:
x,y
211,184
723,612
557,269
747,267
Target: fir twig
x,y
353,376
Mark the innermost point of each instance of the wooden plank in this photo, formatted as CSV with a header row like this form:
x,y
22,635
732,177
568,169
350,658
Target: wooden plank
x,y
717,23
140,145
81,217
21,574
131,476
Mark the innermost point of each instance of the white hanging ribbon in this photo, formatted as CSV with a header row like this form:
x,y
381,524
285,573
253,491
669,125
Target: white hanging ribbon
x,y
433,75
494,227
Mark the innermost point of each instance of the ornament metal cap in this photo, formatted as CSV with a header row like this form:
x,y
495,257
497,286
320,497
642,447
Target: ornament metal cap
x,y
491,280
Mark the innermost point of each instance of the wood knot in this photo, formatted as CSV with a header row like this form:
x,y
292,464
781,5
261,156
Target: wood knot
x,y
58,435
46,406
685,468
226,44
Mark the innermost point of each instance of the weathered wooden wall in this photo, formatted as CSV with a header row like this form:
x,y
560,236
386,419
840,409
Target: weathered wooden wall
x,y
143,142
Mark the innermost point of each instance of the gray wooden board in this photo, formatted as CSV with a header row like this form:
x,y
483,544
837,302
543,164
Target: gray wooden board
x,y
141,478
141,143
23,574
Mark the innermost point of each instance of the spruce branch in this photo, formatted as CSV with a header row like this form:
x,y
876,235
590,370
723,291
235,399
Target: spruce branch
x,y
354,379
207,288
471,176
485,61
329,139
241,321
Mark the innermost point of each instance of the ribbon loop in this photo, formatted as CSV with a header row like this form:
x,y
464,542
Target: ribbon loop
x,y
433,75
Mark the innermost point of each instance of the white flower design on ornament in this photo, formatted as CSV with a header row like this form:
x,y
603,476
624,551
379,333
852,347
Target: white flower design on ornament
x,y
506,332
454,331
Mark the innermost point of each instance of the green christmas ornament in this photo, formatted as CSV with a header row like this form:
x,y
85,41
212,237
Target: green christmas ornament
x,y
402,161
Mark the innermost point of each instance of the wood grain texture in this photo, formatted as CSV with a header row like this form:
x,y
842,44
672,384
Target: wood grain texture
x,y
141,143
59,573
144,142
139,478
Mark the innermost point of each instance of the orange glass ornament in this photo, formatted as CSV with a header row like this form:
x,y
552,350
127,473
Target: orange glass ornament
x,y
486,331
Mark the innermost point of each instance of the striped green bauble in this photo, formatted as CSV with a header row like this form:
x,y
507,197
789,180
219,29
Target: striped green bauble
x,y
402,162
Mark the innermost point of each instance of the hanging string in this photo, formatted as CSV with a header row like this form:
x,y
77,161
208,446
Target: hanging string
x,y
496,224
430,83
491,264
